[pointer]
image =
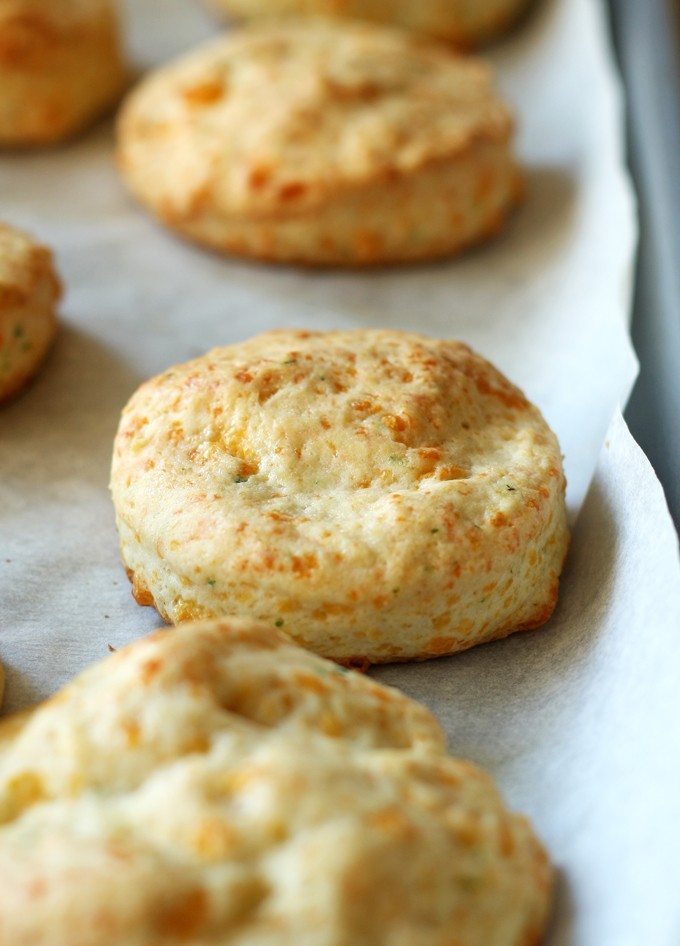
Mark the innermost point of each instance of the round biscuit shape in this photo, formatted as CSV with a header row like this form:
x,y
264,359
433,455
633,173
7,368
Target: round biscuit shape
x,y
29,292
464,23
322,144
216,784
380,495
61,67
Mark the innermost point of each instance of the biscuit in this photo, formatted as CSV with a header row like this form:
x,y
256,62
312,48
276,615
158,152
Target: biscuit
x,y
29,292
461,22
380,495
322,144
215,784
60,67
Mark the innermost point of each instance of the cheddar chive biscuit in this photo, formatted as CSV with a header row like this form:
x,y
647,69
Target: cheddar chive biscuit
x,y
29,292
378,494
462,22
324,144
215,784
60,67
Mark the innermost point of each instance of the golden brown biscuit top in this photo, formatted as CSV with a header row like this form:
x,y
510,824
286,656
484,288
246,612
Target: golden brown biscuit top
x,y
316,456
280,116
318,412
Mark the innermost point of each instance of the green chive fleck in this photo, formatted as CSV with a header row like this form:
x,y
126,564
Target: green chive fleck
x,y
278,623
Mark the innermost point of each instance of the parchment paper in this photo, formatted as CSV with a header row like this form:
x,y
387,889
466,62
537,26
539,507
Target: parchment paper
x,y
578,721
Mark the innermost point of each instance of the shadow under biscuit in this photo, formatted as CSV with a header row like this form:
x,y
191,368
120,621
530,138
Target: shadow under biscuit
x,y
461,300
15,680
61,427
545,219
540,19
561,930
61,585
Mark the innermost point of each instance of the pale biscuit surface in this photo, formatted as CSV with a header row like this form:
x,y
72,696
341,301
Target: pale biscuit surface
x,y
29,292
381,495
215,785
323,144
463,22
60,67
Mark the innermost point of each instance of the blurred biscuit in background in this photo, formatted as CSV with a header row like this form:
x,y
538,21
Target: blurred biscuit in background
x,y
323,143
463,22
61,67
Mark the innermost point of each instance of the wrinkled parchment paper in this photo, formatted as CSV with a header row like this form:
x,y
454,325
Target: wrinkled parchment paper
x,y
578,721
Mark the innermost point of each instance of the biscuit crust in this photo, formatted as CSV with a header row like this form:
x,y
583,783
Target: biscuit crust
x,y
322,144
381,495
29,292
464,23
60,68
215,784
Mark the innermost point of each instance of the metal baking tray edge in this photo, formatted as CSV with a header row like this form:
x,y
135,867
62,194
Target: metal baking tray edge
x,y
647,39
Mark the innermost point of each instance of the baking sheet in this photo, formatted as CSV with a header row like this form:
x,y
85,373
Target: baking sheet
x,y
649,52
548,302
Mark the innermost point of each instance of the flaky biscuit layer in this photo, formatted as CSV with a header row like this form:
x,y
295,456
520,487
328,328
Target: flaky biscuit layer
x,y
379,494
215,784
